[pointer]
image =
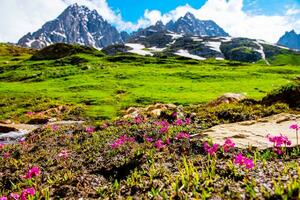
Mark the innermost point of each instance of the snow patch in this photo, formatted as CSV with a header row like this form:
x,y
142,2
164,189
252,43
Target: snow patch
x,y
262,52
155,49
196,39
214,46
175,36
185,53
138,49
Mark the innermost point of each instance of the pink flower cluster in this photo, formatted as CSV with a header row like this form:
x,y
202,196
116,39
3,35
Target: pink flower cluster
x,y
164,127
63,154
211,150
295,127
228,144
138,120
182,135
119,142
279,141
90,130
1,146
180,122
24,195
244,161
159,144
34,171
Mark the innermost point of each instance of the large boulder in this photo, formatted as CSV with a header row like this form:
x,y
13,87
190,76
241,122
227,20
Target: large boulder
x,y
227,98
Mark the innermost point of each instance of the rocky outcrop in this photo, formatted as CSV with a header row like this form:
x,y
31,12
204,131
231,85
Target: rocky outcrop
x,y
227,98
254,133
76,25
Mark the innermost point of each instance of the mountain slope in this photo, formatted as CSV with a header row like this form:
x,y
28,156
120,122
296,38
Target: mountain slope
x,y
77,24
190,25
291,40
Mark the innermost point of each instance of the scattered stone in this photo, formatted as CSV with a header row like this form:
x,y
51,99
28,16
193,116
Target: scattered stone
x,y
156,112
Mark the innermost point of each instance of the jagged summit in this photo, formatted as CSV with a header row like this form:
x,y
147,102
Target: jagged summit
x,y
76,24
290,39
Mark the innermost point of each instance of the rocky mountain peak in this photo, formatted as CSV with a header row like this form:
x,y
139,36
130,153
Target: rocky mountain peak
x,y
290,39
76,24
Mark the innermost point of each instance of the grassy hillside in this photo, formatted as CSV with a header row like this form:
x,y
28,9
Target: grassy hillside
x,y
104,85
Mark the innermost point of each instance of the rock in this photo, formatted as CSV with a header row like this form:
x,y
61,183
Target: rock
x,y
131,110
254,133
150,108
171,106
53,120
227,98
160,106
7,129
5,121
156,112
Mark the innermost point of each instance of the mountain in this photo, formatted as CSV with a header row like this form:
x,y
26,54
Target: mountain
x,y
291,40
77,24
190,25
166,43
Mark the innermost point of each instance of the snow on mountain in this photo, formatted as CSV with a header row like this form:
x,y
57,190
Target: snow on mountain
x,y
76,25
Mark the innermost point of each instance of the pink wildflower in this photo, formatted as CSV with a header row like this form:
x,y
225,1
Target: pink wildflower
x,y
168,141
228,144
34,171
119,142
6,155
3,198
244,161
182,135
90,129
188,121
27,192
295,127
15,196
54,127
279,141
165,127
211,150
138,120
63,154
159,144
179,122
22,140
29,113
149,139
1,146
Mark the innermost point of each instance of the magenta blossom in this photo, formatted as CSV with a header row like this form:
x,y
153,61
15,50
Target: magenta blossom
x,y
211,150
64,154
244,161
14,196
3,198
295,127
138,120
159,144
54,127
279,141
179,122
188,121
149,139
1,146
168,141
90,129
6,155
27,192
182,135
29,113
34,171
228,144
119,142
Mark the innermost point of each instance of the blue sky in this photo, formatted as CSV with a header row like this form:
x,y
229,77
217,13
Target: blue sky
x,y
260,19
132,10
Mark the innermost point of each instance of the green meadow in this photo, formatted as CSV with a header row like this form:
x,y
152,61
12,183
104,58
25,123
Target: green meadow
x,y
105,85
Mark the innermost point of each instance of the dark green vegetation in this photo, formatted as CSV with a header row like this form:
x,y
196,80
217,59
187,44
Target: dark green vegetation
x,y
105,85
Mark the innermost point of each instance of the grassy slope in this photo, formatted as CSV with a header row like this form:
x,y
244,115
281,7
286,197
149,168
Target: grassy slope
x,y
106,87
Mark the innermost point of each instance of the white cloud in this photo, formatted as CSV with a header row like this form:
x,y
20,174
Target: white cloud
x,y
229,15
19,17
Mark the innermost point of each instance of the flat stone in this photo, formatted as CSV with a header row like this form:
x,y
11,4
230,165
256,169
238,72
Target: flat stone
x,y
254,133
